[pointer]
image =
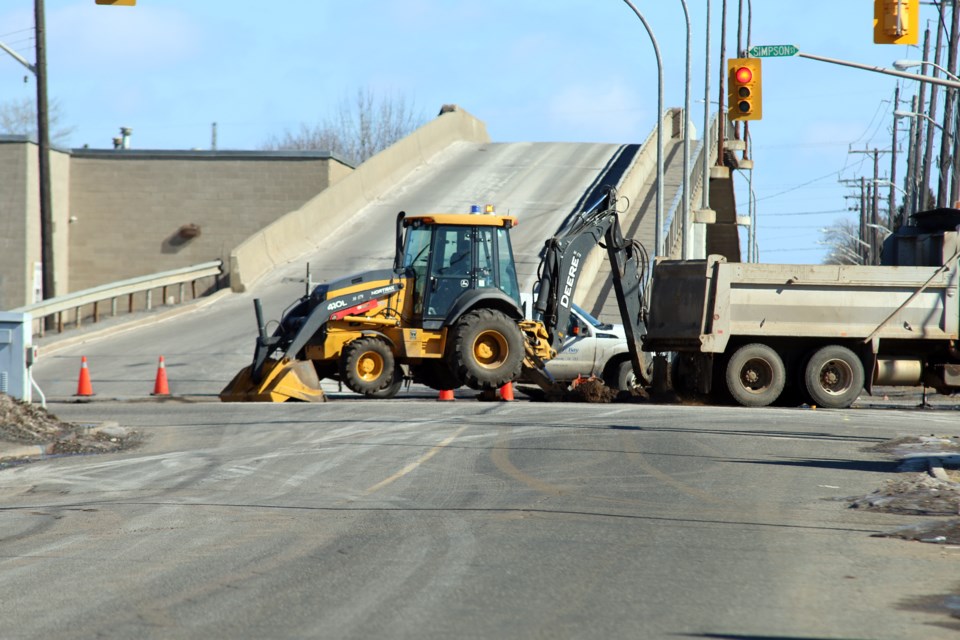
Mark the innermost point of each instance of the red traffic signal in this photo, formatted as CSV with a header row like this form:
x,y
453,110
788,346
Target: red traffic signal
x,y
744,90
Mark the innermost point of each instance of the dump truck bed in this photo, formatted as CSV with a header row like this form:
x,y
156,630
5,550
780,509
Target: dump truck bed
x,y
699,305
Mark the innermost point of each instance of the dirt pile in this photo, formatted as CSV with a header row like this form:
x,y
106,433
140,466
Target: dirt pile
x,y
26,424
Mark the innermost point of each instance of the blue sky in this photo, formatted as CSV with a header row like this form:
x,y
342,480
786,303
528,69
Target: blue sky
x,y
563,70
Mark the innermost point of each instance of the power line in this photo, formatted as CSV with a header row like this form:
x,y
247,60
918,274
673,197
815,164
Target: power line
x,y
806,213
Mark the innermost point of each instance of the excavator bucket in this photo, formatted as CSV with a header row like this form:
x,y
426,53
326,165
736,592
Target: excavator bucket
x,y
281,380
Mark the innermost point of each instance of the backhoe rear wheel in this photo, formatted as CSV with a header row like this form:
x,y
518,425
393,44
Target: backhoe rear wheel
x,y
486,349
367,365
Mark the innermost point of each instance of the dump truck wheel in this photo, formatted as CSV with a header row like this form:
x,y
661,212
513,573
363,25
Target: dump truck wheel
x,y
834,377
755,375
367,365
486,349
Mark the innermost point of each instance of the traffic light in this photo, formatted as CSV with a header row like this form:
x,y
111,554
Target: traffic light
x,y
125,3
896,21
744,90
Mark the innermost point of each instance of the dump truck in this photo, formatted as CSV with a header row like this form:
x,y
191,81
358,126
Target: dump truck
x,y
448,314
817,334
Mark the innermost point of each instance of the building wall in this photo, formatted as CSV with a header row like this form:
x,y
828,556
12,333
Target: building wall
x,y
117,213
127,207
13,224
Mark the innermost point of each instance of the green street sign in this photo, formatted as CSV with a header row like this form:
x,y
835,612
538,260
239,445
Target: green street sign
x,y
773,51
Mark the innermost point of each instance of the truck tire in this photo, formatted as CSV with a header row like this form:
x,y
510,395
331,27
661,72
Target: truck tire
x,y
622,377
367,365
755,375
485,349
834,377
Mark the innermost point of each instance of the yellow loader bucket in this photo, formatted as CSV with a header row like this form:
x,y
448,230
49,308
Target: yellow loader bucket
x,y
281,381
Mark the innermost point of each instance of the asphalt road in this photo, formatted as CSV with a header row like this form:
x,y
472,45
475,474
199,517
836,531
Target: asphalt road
x,y
419,519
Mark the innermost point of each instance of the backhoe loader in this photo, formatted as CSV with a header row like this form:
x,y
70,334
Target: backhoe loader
x,y
448,312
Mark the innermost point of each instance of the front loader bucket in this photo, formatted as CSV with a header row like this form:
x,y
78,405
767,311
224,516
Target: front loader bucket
x,y
281,381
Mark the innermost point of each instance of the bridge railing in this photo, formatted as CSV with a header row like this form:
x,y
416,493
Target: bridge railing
x,y
90,304
673,242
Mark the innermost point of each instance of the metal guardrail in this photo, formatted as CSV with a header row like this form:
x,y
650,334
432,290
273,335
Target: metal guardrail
x,y
94,296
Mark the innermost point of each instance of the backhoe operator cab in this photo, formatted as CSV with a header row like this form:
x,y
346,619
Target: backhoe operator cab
x,y
451,256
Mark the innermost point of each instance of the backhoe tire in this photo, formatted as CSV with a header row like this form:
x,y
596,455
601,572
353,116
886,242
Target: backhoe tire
x,y
834,377
485,350
367,365
392,389
755,375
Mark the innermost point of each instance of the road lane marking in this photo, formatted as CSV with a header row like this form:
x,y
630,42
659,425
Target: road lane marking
x,y
416,463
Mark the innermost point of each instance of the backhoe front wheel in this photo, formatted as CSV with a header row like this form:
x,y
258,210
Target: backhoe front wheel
x,y
486,349
367,366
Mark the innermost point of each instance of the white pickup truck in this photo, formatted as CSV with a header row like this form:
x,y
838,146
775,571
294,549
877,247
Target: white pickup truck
x,y
592,348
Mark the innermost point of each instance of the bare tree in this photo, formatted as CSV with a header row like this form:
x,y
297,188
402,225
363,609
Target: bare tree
x,y
19,117
360,128
843,243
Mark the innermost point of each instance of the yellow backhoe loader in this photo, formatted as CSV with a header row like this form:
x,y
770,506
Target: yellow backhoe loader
x,y
448,312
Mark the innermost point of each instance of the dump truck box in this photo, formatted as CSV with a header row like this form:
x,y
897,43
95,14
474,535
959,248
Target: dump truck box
x,y
699,305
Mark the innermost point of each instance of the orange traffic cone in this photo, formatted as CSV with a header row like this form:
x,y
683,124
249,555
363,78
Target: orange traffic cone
x,y
84,388
506,392
445,394
160,387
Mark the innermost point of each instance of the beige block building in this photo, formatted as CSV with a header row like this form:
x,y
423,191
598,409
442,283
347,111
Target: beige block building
x,y
124,213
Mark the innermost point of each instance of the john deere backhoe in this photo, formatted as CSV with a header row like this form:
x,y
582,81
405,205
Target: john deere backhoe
x,y
448,311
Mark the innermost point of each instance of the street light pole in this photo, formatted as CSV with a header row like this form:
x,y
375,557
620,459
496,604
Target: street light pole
x,y
658,226
685,235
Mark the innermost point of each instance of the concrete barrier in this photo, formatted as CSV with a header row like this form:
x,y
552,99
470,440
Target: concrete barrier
x,y
299,231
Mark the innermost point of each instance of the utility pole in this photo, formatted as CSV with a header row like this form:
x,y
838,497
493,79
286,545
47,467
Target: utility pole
x,y
915,175
864,246
43,149
946,138
932,114
910,181
893,162
872,234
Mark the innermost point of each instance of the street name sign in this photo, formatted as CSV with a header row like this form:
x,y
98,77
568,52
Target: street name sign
x,y
773,51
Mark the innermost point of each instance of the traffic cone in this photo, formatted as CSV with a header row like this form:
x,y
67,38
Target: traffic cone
x,y
445,394
506,392
160,387
84,388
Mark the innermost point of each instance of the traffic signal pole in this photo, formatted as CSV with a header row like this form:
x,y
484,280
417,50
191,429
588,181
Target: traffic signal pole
x,y
943,82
